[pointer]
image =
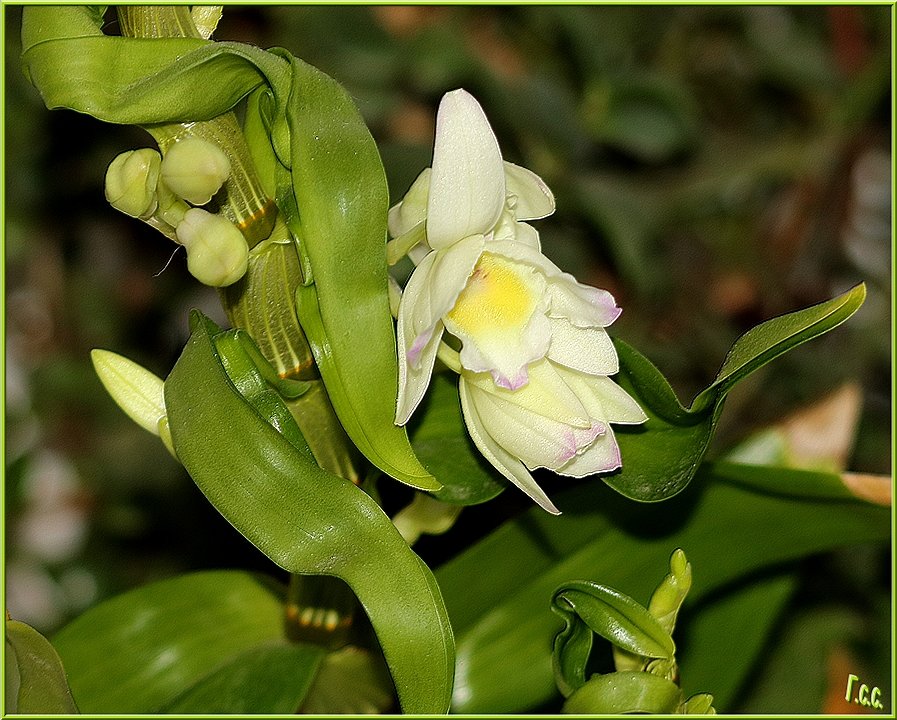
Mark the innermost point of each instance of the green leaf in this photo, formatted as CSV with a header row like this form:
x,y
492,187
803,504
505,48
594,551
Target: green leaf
x,y
308,520
138,652
615,617
497,590
661,456
589,607
342,198
725,634
266,679
625,692
439,438
768,340
35,680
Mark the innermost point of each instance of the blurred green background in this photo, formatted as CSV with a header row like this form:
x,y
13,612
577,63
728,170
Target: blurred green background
x,y
713,167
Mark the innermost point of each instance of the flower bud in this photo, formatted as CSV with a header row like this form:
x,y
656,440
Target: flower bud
x,y
195,169
217,253
131,182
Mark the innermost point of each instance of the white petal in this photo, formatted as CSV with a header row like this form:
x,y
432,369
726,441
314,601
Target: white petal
x,y
582,305
537,440
589,350
411,209
433,288
602,456
604,399
533,198
501,460
467,186
546,394
414,379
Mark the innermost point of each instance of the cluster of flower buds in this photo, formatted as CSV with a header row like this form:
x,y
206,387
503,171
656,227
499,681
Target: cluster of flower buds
x,y
535,358
163,191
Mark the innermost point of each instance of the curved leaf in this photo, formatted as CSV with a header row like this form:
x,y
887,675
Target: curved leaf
x,y
661,456
615,617
308,520
331,188
35,680
139,651
770,339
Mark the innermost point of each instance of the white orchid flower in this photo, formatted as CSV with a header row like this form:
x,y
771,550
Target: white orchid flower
x,y
535,356
560,420
485,279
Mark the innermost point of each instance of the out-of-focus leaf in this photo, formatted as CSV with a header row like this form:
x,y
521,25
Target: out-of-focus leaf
x,y
268,679
789,684
723,636
496,590
35,679
305,519
646,117
351,682
661,456
137,652
440,439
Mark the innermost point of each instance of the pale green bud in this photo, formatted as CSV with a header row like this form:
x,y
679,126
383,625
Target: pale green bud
x,y
135,389
195,169
217,253
131,182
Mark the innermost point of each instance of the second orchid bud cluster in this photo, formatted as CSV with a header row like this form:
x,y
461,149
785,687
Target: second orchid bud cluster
x,y
164,192
535,358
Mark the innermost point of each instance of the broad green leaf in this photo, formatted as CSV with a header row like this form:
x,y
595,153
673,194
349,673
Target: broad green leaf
x,y
267,679
497,591
628,691
35,679
439,438
308,520
138,652
661,456
330,188
725,635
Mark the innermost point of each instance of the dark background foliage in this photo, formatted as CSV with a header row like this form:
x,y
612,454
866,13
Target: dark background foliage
x,y
713,167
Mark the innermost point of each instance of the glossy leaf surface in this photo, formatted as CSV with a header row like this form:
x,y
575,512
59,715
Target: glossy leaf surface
x,y
627,691
35,680
661,456
497,591
308,520
272,678
140,651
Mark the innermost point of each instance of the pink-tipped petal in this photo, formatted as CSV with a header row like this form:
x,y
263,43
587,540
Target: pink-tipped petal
x,y
503,461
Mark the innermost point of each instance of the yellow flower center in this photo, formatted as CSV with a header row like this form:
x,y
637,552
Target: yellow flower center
x,y
497,296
